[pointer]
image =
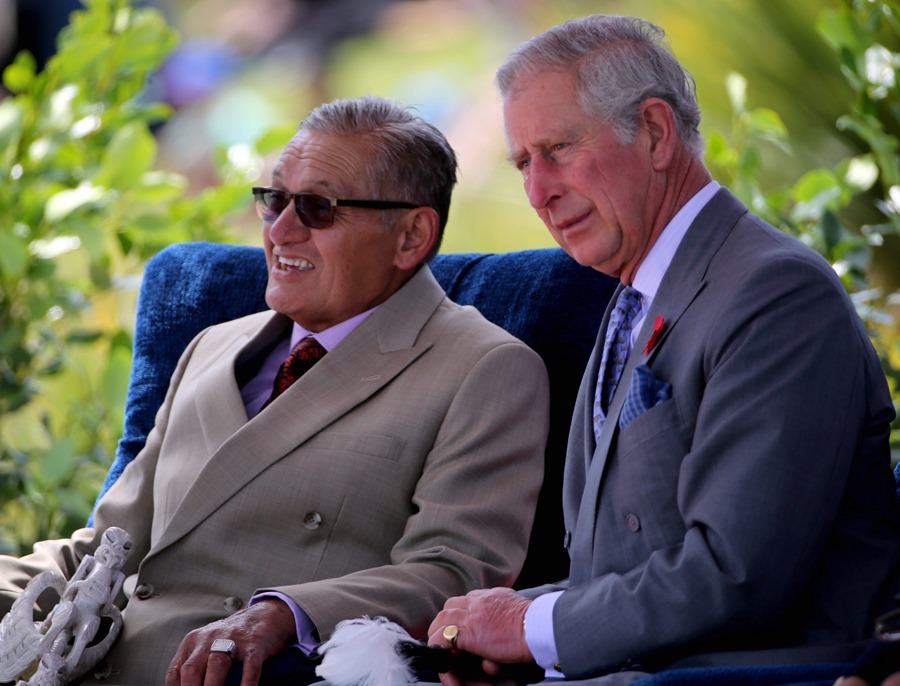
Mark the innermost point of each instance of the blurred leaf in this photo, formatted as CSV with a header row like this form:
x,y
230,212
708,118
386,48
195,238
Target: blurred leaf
x,y
56,464
10,122
13,255
831,230
19,75
129,155
768,124
736,85
813,184
114,384
63,203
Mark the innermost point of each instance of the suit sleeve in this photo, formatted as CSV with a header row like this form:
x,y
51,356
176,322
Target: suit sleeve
x,y
773,399
473,504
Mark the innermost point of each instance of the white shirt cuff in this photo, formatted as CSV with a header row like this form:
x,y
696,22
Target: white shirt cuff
x,y
539,633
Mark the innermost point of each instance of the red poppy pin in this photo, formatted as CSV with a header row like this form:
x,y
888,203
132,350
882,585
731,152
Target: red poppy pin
x,y
658,325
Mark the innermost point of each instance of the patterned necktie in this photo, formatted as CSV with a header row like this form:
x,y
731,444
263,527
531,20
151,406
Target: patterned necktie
x,y
304,355
615,352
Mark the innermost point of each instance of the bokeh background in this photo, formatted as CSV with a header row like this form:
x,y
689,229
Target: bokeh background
x,y
243,67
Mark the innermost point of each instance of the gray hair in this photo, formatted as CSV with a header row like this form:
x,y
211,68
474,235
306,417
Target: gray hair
x,y
410,159
619,62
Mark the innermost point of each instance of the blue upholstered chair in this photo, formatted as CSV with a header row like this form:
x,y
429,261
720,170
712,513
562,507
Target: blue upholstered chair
x,y
541,296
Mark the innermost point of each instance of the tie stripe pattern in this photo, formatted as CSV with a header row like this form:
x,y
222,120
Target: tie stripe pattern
x,y
304,355
616,348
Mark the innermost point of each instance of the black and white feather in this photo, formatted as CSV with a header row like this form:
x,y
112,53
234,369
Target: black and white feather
x,y
378,652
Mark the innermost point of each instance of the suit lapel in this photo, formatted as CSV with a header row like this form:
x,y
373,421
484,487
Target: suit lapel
x,y
368,359
218,403
683,281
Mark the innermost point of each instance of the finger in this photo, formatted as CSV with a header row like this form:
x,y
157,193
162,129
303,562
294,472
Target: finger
x,y
850,681
252,673
190,672
217,667
457,602
491,667
444,619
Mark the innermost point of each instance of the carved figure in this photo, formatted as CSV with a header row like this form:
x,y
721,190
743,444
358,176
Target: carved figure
x,y
56,650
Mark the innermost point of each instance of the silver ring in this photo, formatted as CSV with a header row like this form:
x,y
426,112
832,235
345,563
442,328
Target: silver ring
x,y
223,645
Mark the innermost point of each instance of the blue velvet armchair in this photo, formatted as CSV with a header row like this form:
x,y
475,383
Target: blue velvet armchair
x,y
541,296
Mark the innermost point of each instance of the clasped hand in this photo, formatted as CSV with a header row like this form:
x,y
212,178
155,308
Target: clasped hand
x,y
491,625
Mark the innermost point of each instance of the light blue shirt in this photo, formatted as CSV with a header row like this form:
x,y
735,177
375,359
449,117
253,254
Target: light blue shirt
x,y
539,616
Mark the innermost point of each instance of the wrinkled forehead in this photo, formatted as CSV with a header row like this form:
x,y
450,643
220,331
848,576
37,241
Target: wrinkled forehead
x,y
318,161
542,109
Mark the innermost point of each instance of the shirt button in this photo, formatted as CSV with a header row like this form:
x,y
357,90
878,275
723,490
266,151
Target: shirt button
x,y
233,604
312,520
144,591
633,522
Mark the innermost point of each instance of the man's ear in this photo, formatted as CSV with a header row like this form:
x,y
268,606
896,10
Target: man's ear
x,y
656,117
418,235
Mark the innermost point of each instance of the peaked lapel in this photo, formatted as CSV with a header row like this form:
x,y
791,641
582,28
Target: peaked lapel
x,y
218,398
369,358
684,279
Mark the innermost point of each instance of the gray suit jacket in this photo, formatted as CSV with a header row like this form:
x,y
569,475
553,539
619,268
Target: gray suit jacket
x,y
756,507
402,469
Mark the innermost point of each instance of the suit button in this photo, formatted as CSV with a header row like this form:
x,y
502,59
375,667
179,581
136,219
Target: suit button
x,y
233,604
144,591
102,671
312,520
567,539
632,522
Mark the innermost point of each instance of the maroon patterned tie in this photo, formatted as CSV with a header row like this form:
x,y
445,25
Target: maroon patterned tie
x,y
304,355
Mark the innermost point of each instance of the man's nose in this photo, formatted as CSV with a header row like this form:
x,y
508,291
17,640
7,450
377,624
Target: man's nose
x,y
288,228
542,184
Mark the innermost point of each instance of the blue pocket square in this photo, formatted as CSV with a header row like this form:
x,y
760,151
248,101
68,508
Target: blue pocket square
x,y
644,393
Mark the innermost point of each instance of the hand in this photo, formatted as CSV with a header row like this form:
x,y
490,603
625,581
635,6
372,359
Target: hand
x,y
259,631
491,625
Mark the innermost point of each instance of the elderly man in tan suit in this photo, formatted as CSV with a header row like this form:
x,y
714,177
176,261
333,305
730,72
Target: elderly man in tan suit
x,y
402,469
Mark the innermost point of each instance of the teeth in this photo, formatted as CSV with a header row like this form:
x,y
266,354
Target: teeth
x,y
294,262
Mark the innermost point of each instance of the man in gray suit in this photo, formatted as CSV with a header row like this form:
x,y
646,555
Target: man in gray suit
x,y
402,469
730,493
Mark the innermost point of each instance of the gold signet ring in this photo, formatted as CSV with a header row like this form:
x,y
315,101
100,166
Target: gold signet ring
x,y
450,633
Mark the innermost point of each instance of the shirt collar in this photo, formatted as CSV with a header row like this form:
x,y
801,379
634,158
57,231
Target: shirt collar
x,y
650,273
329,338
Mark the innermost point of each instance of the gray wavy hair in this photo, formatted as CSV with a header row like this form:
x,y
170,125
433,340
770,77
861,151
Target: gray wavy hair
x,y
619,62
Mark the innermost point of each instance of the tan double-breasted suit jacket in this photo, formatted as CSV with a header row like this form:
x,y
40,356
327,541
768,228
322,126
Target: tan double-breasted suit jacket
x,y
402,469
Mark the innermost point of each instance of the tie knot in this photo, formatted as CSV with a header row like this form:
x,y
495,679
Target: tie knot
x,y
307,350
629,299
304,355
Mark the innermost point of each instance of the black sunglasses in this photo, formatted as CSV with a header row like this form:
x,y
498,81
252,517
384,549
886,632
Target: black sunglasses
x,y
315,211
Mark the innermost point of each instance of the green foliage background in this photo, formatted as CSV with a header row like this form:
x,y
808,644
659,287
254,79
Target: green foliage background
x,y
85,200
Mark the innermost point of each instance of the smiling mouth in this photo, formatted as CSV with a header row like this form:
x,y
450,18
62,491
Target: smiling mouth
x,y
292,264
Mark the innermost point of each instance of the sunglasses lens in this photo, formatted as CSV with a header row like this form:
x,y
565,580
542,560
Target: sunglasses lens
x,y
270,204
315,210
